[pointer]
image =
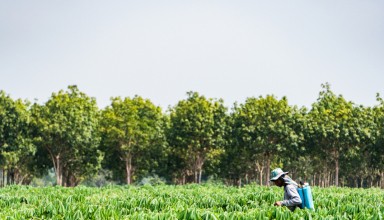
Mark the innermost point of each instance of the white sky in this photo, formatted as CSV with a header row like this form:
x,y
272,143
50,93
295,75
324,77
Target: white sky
x,y
221,49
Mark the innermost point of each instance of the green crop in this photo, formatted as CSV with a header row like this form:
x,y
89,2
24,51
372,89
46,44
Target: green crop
x,y
183,202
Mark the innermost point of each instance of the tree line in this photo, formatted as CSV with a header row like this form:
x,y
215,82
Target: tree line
x,y
335,142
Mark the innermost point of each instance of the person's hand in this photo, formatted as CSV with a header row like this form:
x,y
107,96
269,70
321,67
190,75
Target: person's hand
x,y
278,203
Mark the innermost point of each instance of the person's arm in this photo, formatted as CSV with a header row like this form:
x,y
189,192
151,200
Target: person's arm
x,y
293,195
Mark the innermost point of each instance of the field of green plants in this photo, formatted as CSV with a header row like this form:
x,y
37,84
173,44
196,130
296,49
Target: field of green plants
x,y
183,202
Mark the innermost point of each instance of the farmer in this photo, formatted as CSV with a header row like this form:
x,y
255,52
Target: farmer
x,y
291,196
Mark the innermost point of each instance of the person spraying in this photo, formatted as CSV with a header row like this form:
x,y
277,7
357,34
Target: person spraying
x,y
292,198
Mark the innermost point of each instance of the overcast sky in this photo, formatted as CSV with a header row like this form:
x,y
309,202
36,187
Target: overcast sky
x,y
221,49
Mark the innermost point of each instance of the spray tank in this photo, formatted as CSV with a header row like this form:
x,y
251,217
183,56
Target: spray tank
x,y
305,193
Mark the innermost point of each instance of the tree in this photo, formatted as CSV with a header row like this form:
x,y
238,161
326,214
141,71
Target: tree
x,y
196,134
335,127
66,129
235,162
355,160
15,143
265,128
377,148
132,135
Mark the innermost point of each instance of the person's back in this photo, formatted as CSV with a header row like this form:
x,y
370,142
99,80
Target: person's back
x,y
291,196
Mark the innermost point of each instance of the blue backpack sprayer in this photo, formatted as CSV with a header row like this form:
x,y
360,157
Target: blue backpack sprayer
x,y
305,193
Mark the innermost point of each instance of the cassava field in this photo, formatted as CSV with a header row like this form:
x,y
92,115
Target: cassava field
x,y
183,202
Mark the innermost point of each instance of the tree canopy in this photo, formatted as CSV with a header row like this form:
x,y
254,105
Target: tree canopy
x,y
334,142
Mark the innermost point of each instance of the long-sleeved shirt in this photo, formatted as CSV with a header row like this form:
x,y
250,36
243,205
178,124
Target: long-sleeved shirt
x,y
291,197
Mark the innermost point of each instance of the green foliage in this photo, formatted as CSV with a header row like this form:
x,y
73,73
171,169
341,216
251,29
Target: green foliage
x,y
196,133
376,148
16,148
336,126
264,128
183,202
132,131
335,140
66,129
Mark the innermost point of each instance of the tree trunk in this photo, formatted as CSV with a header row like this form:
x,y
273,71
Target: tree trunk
x,y
58,171
337,169
239,183
16,176
198,169
9,177
370,182
3,177
22,180
128,168
377,184
56,166
382,180
72,181
326,179
259,169
268,159
323,180
64,177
